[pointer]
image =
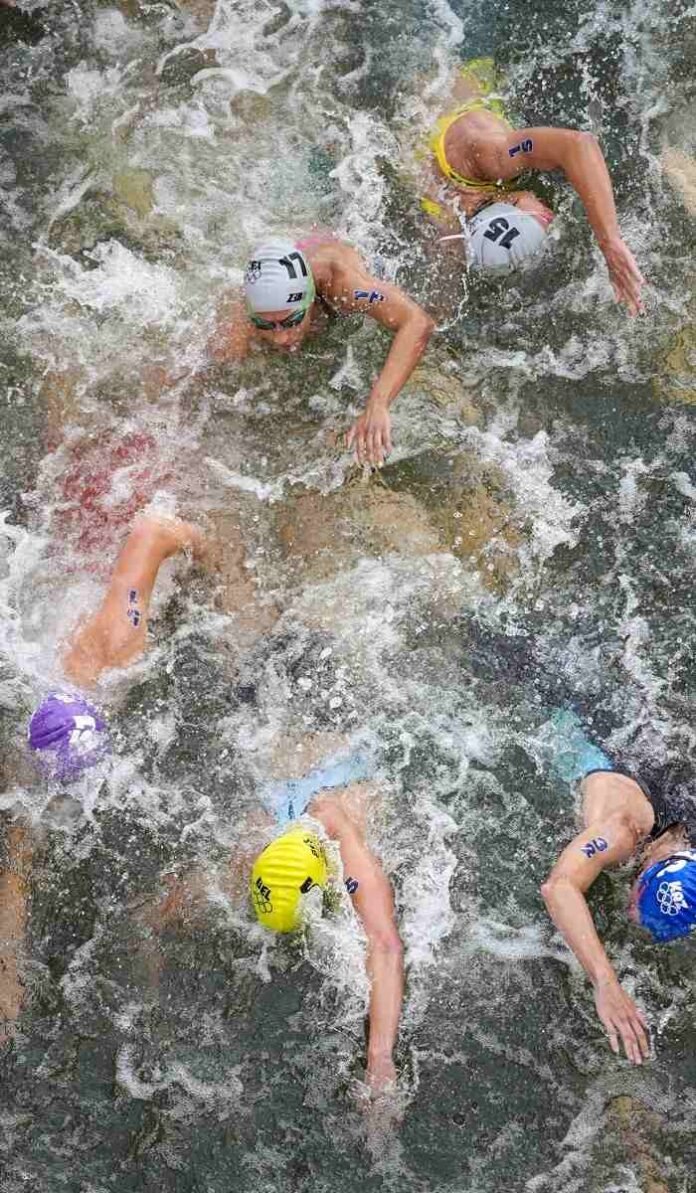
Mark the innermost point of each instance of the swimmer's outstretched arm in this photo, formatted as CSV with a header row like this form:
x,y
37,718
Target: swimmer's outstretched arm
x,y
373,900
580,158
13,922
353,290
115,635
607,840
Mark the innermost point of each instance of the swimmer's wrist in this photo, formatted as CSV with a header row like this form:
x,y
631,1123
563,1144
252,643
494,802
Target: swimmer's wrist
x,y
609,239
379,399
604,976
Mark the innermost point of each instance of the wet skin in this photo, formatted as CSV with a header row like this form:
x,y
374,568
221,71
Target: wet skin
x,y
618,819
480,145
347,287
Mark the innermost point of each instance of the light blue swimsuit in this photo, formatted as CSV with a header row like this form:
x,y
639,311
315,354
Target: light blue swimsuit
x,y
574,755
288,800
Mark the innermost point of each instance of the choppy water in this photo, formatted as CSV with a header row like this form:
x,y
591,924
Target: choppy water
x,y
531,543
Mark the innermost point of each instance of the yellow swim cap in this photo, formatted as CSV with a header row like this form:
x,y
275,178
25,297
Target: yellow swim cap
x,y
285,871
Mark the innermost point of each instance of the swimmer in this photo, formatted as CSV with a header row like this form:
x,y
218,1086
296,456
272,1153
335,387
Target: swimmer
x,y
67,733
477,159
623,817
289,289
295,867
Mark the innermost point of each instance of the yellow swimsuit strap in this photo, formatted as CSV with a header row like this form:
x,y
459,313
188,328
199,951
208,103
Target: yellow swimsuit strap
x,y
437,144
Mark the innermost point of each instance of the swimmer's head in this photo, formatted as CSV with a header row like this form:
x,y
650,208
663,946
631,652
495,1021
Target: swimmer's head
x,y
67,735
504,237
279,291
664,896
283,875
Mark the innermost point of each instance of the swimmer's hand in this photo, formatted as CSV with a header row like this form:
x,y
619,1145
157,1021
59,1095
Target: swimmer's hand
x,y
621,1017
625,276
371,434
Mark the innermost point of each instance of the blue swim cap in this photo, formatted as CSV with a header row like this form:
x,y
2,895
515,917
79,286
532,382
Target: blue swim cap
x,y
68,735
667,896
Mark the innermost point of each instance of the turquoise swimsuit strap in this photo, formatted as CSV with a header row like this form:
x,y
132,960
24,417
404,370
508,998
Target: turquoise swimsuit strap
x,y
289,799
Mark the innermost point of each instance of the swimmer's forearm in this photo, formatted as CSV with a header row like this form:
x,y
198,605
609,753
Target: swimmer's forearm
x,y
586,171
406,350
231,335
386,970
568,909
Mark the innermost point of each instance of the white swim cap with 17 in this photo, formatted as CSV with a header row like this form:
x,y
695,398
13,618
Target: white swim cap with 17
x,y
278,277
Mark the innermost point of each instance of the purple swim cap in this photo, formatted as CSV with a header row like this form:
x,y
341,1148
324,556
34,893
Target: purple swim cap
x,y
667,896
68,734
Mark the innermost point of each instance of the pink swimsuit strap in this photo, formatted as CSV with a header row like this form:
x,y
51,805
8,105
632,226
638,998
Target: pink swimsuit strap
x,y
315,239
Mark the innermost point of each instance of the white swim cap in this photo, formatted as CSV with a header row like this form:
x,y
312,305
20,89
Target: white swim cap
x,y
278,277
501,237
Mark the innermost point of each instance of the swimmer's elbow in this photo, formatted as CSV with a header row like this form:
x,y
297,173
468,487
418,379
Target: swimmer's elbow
x,y
425,327
583,145
588,143
551,888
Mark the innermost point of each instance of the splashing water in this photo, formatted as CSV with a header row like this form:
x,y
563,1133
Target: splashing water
x,y
531,544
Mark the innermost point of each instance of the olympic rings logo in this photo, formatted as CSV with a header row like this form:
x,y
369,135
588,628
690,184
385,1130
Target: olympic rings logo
x,y
262,898
670,896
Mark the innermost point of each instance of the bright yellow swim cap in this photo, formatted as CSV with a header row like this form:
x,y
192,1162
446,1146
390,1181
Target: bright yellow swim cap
x,y
285,871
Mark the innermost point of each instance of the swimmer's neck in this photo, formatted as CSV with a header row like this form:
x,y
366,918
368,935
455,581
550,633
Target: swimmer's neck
x,y
673,840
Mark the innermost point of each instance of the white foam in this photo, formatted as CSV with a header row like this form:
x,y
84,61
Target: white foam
x,y
529,471
120,284
90,88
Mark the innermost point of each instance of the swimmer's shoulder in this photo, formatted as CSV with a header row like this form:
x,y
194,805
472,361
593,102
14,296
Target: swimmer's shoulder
x,y
618,794
331,261
476,144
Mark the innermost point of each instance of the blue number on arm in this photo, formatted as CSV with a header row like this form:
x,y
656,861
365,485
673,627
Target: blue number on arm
x,y
525,146
596,845
370,295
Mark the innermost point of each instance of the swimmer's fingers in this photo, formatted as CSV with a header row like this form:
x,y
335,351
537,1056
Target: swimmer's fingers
x,y
628,291
622,1018
361,448
626,278
370,436
634,1038
379,433
356,439
375,447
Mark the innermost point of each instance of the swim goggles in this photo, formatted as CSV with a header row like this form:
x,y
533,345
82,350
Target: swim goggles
x,y
292,320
